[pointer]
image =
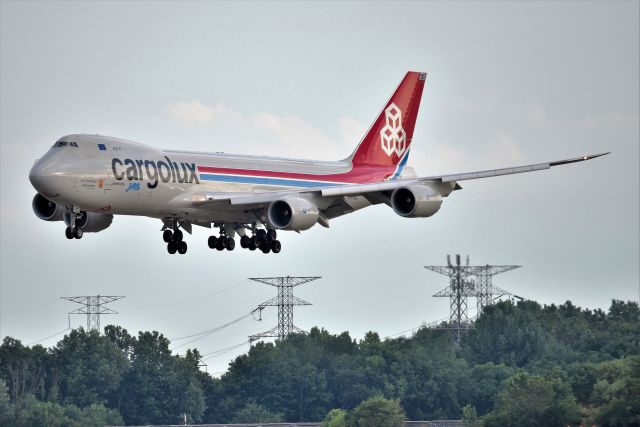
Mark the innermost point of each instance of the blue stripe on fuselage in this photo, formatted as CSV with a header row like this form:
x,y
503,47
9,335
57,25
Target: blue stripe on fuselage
x,y
267,181
401,165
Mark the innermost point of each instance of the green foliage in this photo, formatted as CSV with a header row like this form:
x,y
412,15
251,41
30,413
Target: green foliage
x,y
565,357
254,413
469,415
6,407
32,412
335,418
377,412
90,367
530,400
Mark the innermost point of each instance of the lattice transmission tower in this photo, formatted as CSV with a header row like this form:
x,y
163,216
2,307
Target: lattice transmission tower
x,y
285,301
468,281
93,307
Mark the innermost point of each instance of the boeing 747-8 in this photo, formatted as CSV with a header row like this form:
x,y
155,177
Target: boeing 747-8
x,y
84,180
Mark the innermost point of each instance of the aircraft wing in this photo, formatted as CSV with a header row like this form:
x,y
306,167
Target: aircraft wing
x,y
257,200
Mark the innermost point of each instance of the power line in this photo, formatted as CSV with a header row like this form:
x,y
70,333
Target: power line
x,y
50,336
208,332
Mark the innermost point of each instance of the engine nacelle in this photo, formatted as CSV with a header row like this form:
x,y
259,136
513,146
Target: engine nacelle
x,y
293,214
45,209
90,222
415,201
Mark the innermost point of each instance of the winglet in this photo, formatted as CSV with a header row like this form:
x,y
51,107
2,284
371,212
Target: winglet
x,y
577,159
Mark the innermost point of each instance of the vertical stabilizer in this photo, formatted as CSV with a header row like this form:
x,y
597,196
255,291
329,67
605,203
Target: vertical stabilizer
x,y
388,140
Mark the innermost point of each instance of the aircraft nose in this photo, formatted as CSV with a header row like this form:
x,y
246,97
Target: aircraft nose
x,y
42,177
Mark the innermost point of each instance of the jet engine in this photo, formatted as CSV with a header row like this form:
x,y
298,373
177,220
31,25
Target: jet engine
x,y
415,201
46,209
90,222
293,214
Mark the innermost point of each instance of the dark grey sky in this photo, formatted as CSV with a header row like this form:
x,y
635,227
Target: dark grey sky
x,y
509,83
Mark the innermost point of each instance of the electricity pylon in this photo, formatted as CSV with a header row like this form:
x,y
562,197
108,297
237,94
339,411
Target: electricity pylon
x,y
93,307
285,301
468,281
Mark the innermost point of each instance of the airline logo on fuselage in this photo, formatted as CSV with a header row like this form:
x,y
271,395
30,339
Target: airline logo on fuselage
x,y
154,171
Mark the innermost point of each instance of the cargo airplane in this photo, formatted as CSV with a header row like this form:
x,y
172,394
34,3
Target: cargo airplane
x,y
84,180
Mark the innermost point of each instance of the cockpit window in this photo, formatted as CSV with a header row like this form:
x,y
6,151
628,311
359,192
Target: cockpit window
x,y
65,144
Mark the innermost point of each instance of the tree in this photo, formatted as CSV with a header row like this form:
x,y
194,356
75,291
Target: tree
x,y
335,418
254,413
377,412
530,401
91,368
6,407
469,415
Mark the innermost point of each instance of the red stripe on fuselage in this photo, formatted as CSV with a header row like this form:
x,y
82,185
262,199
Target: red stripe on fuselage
x,y
360,175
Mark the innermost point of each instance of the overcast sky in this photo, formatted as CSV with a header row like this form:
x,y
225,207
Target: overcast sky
x,y
509,83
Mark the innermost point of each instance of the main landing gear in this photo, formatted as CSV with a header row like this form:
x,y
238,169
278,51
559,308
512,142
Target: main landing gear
x,y
265,240
174,241
222,242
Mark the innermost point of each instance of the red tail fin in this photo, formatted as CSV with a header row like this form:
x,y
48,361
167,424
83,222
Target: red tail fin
x,y
388,139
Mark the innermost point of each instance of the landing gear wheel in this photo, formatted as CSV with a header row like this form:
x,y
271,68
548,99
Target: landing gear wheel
x,y
265,249
167,235
177,235
244,242
230,244
212,242
182,247
261,235
276,246
172,247
220,244
253,245
69,233
77,232
272,235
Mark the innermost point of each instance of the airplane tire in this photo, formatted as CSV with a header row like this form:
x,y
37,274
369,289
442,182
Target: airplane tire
x,y
261,235
265,249
177,236
212,242
172,247
272,235
253,244
77,232
230,244
244,242
167,235
220,244
182,247
276,246
68,233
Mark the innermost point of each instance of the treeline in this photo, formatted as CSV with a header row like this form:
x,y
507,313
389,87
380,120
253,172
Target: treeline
x,y
522,364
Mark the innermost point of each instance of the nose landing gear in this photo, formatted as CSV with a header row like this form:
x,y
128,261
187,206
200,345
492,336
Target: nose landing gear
x,y
73,231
